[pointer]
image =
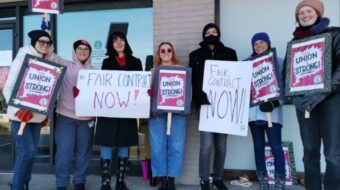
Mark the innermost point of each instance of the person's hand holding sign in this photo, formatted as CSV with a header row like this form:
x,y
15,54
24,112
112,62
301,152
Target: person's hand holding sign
x,y
24,116
268,107
75,91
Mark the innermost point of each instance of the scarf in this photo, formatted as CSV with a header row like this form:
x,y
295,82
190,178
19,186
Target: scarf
x,y
317,28
121,60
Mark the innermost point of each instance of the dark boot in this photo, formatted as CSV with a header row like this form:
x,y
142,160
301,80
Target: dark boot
x,y
164,183
121,172
204,185
105,171
280,181
219,185
262,176
171,183
26,186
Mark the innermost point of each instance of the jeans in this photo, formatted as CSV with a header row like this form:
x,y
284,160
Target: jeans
x,y
275,141
323,125
167,151
26,145
106,152
209,140
73,139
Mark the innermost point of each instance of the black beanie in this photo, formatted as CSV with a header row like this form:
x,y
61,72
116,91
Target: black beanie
x,y
36,34
81,42
211,25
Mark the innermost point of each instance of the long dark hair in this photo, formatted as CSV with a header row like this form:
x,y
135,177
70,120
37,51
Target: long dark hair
x,y
110,51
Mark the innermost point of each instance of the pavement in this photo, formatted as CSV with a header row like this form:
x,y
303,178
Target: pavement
x,y
47,182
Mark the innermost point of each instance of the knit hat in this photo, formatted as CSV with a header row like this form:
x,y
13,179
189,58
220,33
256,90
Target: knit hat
x,y
211,25
260,36
315,4
81,42
36,34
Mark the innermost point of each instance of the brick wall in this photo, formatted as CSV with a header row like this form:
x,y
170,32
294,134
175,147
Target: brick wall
x,y
181,22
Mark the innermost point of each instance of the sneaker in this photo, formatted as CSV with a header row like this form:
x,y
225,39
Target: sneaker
x,y
204,185
219,185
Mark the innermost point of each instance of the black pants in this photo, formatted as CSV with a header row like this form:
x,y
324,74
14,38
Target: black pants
x,y
322,126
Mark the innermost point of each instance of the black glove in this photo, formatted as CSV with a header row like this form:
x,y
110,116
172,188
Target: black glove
x,y
204,99
309,101
269,106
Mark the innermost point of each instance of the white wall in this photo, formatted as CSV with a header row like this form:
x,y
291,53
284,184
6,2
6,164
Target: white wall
x,y
239,20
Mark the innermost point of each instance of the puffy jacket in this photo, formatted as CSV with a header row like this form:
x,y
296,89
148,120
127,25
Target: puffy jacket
x,y
12,78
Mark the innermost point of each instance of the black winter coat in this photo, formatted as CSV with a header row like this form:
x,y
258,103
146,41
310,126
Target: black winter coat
x,y
197,61
118,132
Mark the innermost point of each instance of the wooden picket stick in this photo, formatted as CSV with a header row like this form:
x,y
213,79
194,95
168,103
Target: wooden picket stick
x,y
269,117
307,114
22,127
168,125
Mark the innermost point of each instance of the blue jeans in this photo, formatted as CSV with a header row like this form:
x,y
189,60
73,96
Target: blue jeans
x,y
73,139
26,145
258,131
167,151
106,152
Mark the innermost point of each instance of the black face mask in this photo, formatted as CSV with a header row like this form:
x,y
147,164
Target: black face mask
x,y
211,40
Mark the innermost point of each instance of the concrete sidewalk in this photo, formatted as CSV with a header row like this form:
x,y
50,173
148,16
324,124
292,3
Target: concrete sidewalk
x,y
47,182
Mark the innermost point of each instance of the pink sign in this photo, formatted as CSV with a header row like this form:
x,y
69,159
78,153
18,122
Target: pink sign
x,y
46,6
264,83
269,157
3,76
171,90
308,66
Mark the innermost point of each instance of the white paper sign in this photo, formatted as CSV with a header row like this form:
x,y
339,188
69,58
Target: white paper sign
x,y
121,94
227,85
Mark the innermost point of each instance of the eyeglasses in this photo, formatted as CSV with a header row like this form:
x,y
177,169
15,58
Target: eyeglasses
x,y
43,42
169,50
82,49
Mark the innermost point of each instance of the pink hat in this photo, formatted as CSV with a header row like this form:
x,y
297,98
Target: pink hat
x,y
315,4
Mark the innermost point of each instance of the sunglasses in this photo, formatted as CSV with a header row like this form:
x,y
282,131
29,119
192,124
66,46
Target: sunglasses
x,y
43,42
166,50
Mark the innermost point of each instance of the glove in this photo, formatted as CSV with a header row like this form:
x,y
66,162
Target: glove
x,y
309,102
150,92
24,115
269,106
75,91
44,123
204,99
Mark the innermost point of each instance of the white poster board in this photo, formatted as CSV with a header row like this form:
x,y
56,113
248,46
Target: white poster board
x,y
120,94
227,85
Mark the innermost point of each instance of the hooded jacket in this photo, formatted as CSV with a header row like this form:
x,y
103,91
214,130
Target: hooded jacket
x,y
12,78
197,60
66,101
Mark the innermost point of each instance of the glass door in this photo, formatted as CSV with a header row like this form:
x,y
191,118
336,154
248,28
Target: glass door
x,y
6,56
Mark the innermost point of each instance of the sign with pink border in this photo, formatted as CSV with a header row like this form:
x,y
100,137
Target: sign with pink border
x,y
46,6
37,85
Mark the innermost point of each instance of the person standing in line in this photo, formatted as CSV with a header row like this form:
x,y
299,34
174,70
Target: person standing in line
x,y
259,126
73,134
27,143
167,151
117,132
211,48
324,122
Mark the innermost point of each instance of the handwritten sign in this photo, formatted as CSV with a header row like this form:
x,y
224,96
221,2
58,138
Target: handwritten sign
x,y
291,178
46,6
265,84
120,94
172,89
309,65
37,85
227,85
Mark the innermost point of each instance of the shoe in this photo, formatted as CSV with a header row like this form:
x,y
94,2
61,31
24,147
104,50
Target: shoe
x,y
171,183
164,184
262,176
121,173
219,185
204,185
80,186
105,171
280,181
61,188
